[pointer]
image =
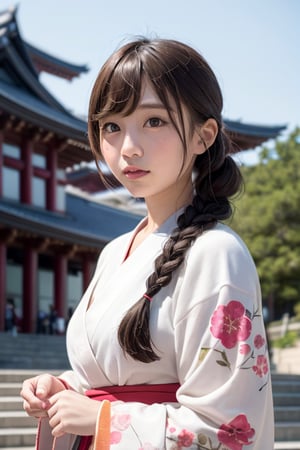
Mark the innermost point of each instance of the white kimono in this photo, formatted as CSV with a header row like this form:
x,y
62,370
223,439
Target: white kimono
x,y
208,330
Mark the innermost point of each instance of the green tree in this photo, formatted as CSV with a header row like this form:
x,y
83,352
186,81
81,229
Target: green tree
x,y
267,216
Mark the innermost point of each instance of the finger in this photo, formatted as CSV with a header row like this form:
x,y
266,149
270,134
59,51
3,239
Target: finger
x,y
34,412
28,393
55,422
43,386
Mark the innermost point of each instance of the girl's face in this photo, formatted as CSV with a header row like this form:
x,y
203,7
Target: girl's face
x,y
145,153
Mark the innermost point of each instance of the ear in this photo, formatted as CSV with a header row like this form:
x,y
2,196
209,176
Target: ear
x,y
205,135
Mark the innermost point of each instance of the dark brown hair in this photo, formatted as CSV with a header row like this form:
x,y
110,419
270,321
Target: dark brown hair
x,y
177,72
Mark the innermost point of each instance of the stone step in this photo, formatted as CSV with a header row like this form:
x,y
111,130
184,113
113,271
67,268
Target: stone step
x,y
34,362
13,403
9,389
19,375
16,419
21,448
287,431
287,413
295,445
17,437
284,386
286,398
276,376
31,351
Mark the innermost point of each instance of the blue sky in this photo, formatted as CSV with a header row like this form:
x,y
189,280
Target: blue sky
x,y
252,45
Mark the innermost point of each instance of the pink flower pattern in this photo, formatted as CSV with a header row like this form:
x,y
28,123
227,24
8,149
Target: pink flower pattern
x,y
115,437
259,341
185,438
119,423
236,433
230,324
245,349
261,367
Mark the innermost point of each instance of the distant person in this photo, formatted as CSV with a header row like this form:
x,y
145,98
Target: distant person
x,y
167,346
52,320
11,319
42,322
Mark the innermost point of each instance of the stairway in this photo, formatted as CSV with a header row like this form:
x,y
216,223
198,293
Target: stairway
x,y
286,397
17,430
18,362
33,351
21,357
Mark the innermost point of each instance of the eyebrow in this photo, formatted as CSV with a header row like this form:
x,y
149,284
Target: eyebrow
x,y
146,105
151,106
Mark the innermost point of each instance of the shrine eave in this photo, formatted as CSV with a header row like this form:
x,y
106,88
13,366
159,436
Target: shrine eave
x,y
44,62
247,136
25,106
85,223
264,131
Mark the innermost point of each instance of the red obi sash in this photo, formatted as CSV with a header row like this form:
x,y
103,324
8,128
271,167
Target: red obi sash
x,y
143,393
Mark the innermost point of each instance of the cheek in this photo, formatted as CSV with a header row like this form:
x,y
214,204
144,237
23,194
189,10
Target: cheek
x,y
108,154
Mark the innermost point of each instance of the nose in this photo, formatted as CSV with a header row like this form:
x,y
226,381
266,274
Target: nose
x,y
131,146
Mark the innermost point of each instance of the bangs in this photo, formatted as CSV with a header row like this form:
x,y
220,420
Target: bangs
x,y
118,88
122,89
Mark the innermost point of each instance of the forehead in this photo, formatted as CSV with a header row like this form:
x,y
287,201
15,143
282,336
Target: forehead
x,y
148,94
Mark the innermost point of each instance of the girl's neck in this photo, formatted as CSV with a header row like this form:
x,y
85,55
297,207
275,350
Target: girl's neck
x,y
158,213
160,209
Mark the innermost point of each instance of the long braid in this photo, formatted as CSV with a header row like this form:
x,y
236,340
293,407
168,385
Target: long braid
x,y
181,76
208,207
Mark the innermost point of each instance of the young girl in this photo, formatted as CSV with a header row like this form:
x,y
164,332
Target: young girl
x,y
167,346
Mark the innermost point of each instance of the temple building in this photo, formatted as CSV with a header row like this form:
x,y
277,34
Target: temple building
x,y
51,237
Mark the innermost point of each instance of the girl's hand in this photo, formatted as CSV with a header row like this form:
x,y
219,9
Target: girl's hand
x,y
71,412
36,393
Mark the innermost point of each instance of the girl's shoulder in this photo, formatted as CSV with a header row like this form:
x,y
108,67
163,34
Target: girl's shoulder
x,y
221,244
221,237
219,258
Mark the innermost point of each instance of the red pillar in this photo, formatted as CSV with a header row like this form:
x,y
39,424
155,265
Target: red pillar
x,y
30,266
3,269
27,173
52,181
1,164
60,284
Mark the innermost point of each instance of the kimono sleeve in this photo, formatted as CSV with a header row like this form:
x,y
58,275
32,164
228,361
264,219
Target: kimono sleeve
x,y
224,401
225,397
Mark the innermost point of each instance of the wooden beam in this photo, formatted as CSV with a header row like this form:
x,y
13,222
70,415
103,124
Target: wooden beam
x,y
8,235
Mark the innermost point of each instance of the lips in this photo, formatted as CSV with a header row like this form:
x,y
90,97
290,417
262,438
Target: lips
x,y
134,172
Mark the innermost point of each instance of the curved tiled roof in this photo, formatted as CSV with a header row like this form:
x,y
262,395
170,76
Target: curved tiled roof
x,y
44,62
85,222
22,94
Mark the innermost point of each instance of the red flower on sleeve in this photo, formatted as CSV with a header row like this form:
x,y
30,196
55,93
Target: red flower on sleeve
x,y
185,438
230,324
236,433
261,367
259,341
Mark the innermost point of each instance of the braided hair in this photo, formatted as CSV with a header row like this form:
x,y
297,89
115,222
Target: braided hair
x,y
177,72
